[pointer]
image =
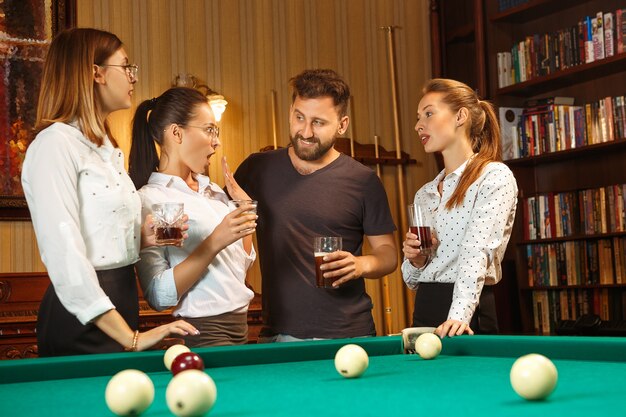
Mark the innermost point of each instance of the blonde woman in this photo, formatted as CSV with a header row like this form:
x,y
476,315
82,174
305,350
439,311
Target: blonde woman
x,y
472,202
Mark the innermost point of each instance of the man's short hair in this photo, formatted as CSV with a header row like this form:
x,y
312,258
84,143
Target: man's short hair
x,y
316,83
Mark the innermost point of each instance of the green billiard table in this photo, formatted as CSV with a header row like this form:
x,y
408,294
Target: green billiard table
x,y
470,377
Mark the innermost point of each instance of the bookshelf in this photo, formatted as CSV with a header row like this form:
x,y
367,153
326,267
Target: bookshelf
x,y
574,171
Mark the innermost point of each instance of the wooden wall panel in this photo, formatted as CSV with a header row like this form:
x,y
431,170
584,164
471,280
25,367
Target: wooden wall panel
x,y
244,49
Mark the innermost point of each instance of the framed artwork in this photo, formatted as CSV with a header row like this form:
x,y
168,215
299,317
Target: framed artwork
x,y
26,29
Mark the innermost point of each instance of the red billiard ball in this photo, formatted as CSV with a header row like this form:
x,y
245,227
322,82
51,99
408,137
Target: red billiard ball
x,y
185,361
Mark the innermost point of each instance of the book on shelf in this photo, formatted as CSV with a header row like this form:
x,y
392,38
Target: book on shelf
x,y
620,30
545,101
597,36
609,35
588,27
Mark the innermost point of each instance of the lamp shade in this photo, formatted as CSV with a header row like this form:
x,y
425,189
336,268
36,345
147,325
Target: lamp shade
x,y
218,105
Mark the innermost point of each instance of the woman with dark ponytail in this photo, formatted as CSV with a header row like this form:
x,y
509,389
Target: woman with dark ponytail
x,y
204,279
472,204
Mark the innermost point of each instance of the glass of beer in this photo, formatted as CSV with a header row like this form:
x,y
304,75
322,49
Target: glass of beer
x,y
420,224
323,245
239,203
168,223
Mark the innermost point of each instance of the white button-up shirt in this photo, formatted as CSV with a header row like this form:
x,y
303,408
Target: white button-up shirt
x,y
85,211
222,288
472,236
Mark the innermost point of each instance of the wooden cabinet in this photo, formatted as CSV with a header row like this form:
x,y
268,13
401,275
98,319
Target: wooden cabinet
x,y
21,293
589,167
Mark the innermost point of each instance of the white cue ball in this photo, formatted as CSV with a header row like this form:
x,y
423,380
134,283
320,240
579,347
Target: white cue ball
x,y
533,376
428,345
129,393
351,361
172,352
191,393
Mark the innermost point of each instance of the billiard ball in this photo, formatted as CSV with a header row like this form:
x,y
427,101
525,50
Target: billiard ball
x,y
533,376
190,393
172,352
351,361
129,393
428,345
186,361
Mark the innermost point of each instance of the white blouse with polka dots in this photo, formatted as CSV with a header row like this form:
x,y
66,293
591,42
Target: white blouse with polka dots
x,y
472,236
86,214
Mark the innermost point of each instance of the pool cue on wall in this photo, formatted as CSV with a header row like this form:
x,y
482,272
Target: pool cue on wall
x,y
274,121
387,317
396,130
351,126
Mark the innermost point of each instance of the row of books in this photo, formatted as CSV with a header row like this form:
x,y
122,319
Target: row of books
x,y
552,127
584,212
579,262
592,38
551,307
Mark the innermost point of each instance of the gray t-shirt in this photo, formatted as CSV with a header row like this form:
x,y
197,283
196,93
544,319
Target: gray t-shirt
x,y
345,199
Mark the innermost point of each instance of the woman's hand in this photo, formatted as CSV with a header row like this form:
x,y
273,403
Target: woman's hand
x,y
150,338
234,226
452,328
148,234
234,190
411,249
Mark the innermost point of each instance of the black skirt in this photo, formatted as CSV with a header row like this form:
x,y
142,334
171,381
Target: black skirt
x,y
433,301
60,333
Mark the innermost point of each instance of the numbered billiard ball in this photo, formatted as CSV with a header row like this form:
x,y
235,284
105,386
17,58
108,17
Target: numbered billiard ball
x,y
190,393
351,361
533,376
172,352
186,361
129,393
428,346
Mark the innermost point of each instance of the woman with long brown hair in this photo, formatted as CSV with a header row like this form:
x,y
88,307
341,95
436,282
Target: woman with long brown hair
x,y
472,205
85,210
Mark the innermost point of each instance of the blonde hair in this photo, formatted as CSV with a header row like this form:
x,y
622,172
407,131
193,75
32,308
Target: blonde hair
x,y
483,130
68,92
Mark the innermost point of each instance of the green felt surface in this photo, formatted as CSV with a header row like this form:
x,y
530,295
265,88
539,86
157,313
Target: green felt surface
x,y
471,378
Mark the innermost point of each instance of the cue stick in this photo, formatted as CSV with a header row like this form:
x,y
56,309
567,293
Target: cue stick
x,y
387,317
396,128
274,121
351,125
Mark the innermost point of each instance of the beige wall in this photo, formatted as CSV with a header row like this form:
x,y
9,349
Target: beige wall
x,y
245,49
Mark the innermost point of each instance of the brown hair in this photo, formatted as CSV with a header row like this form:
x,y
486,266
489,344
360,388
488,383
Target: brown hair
x,y
317,83
67,90
175,106
483,130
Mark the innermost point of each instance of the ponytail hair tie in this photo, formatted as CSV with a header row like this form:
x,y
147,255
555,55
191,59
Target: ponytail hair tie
x,y
153,102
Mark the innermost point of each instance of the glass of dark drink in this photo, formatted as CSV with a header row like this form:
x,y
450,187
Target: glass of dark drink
x,y
168,223
420,224
323,245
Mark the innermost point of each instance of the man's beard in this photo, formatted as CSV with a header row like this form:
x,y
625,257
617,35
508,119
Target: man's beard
x,y
312,154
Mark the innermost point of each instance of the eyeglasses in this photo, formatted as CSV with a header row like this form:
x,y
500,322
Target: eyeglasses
x,y
130,69
212,131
